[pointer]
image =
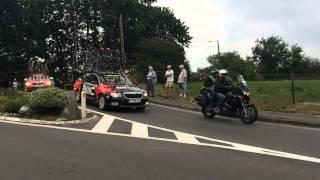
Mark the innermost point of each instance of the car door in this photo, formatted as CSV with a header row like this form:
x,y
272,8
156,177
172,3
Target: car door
x,y
89,86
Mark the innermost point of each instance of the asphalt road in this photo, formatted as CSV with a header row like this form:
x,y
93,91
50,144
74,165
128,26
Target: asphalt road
x,y
28,152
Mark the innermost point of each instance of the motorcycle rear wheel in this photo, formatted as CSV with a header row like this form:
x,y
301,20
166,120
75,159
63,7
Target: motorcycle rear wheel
x,y
252,116
207,114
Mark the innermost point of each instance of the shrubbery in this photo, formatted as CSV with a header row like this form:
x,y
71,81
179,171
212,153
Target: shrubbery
x,y
14,103
68,86
7,92
52,101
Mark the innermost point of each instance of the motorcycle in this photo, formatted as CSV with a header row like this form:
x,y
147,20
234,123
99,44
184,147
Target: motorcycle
x,y
237,105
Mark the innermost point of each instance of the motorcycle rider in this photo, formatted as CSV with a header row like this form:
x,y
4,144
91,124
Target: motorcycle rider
x,y
223,88
209,85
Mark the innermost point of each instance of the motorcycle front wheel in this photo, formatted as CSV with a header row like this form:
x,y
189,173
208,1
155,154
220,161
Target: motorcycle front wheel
x,y
207,114
251,116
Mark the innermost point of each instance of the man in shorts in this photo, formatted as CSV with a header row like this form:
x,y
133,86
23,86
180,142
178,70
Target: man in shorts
x,y
169,82
182,81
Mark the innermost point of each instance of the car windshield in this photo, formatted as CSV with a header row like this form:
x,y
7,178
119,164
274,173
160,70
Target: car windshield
x,y
116,79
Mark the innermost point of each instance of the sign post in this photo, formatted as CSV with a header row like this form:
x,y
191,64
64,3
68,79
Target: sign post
x,y
83,104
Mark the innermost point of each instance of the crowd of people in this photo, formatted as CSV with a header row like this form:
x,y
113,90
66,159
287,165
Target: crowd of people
x,y
169,82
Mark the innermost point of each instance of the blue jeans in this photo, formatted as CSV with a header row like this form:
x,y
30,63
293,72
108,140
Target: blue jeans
x,y
220,99
150,88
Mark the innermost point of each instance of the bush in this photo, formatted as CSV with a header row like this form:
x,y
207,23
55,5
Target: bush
x,y
68,86
7,92
14,103
49,101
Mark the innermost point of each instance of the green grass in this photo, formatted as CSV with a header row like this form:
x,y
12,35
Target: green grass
x,y
274,95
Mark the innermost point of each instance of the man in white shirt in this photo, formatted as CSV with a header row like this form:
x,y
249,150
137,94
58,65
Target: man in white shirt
x,y
182,81
169,82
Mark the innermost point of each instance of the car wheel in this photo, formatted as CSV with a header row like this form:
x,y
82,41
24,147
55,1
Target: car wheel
x,y
102,103
77,96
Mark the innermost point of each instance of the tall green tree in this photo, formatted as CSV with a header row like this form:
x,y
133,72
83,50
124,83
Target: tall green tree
x,y
159,53
16,40
233,62
270,54
71,34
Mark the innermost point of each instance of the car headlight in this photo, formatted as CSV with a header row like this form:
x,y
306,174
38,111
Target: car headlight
x,y
48,83
145,94
27,84
115,95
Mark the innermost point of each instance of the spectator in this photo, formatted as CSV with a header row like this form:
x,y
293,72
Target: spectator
x,y
182,81
169,82
152,81
15,84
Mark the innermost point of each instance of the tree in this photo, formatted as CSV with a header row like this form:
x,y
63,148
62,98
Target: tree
x,y
233,62
271,55
16,40
70,34
159,53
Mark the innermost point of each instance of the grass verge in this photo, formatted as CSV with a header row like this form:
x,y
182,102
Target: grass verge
x,y
272,95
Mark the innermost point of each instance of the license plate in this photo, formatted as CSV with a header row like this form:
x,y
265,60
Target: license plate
x,y
134,100
38,85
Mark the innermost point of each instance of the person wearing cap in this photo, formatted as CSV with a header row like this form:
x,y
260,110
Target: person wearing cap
x,y
152,81
169,75
182,81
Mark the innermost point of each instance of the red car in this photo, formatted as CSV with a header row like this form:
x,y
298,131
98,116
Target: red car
x,y
38,77
35,81
110,90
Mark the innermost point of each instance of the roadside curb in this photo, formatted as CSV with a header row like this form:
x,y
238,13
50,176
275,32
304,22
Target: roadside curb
x,y
43,122
261,118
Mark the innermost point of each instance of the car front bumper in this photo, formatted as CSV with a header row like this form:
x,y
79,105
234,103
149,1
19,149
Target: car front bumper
x,y
124,103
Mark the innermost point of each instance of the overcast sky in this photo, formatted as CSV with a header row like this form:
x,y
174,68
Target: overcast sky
x,y
238,23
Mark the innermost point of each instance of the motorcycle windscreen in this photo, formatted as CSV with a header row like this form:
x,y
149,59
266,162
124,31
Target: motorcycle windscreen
x,y
242,81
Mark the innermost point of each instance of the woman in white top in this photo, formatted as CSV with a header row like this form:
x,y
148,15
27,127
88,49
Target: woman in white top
x,y
169,82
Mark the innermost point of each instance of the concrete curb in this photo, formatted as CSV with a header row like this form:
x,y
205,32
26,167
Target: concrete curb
x,y
43,122
289,122
262,118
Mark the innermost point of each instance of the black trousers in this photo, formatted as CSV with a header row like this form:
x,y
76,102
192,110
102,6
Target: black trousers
x,y
150,88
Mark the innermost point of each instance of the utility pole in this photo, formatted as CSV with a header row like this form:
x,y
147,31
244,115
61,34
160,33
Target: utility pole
x,y
218,43
123,56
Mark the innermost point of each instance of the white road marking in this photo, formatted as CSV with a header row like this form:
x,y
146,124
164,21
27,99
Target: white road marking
x,y
186,138
104,124
139,130
183,138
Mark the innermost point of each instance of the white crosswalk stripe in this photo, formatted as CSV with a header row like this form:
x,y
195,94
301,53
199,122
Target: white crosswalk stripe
x,y
139,130
104,124
187,138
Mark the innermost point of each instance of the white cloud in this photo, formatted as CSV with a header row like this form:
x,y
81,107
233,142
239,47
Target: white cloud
x,y
237,24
